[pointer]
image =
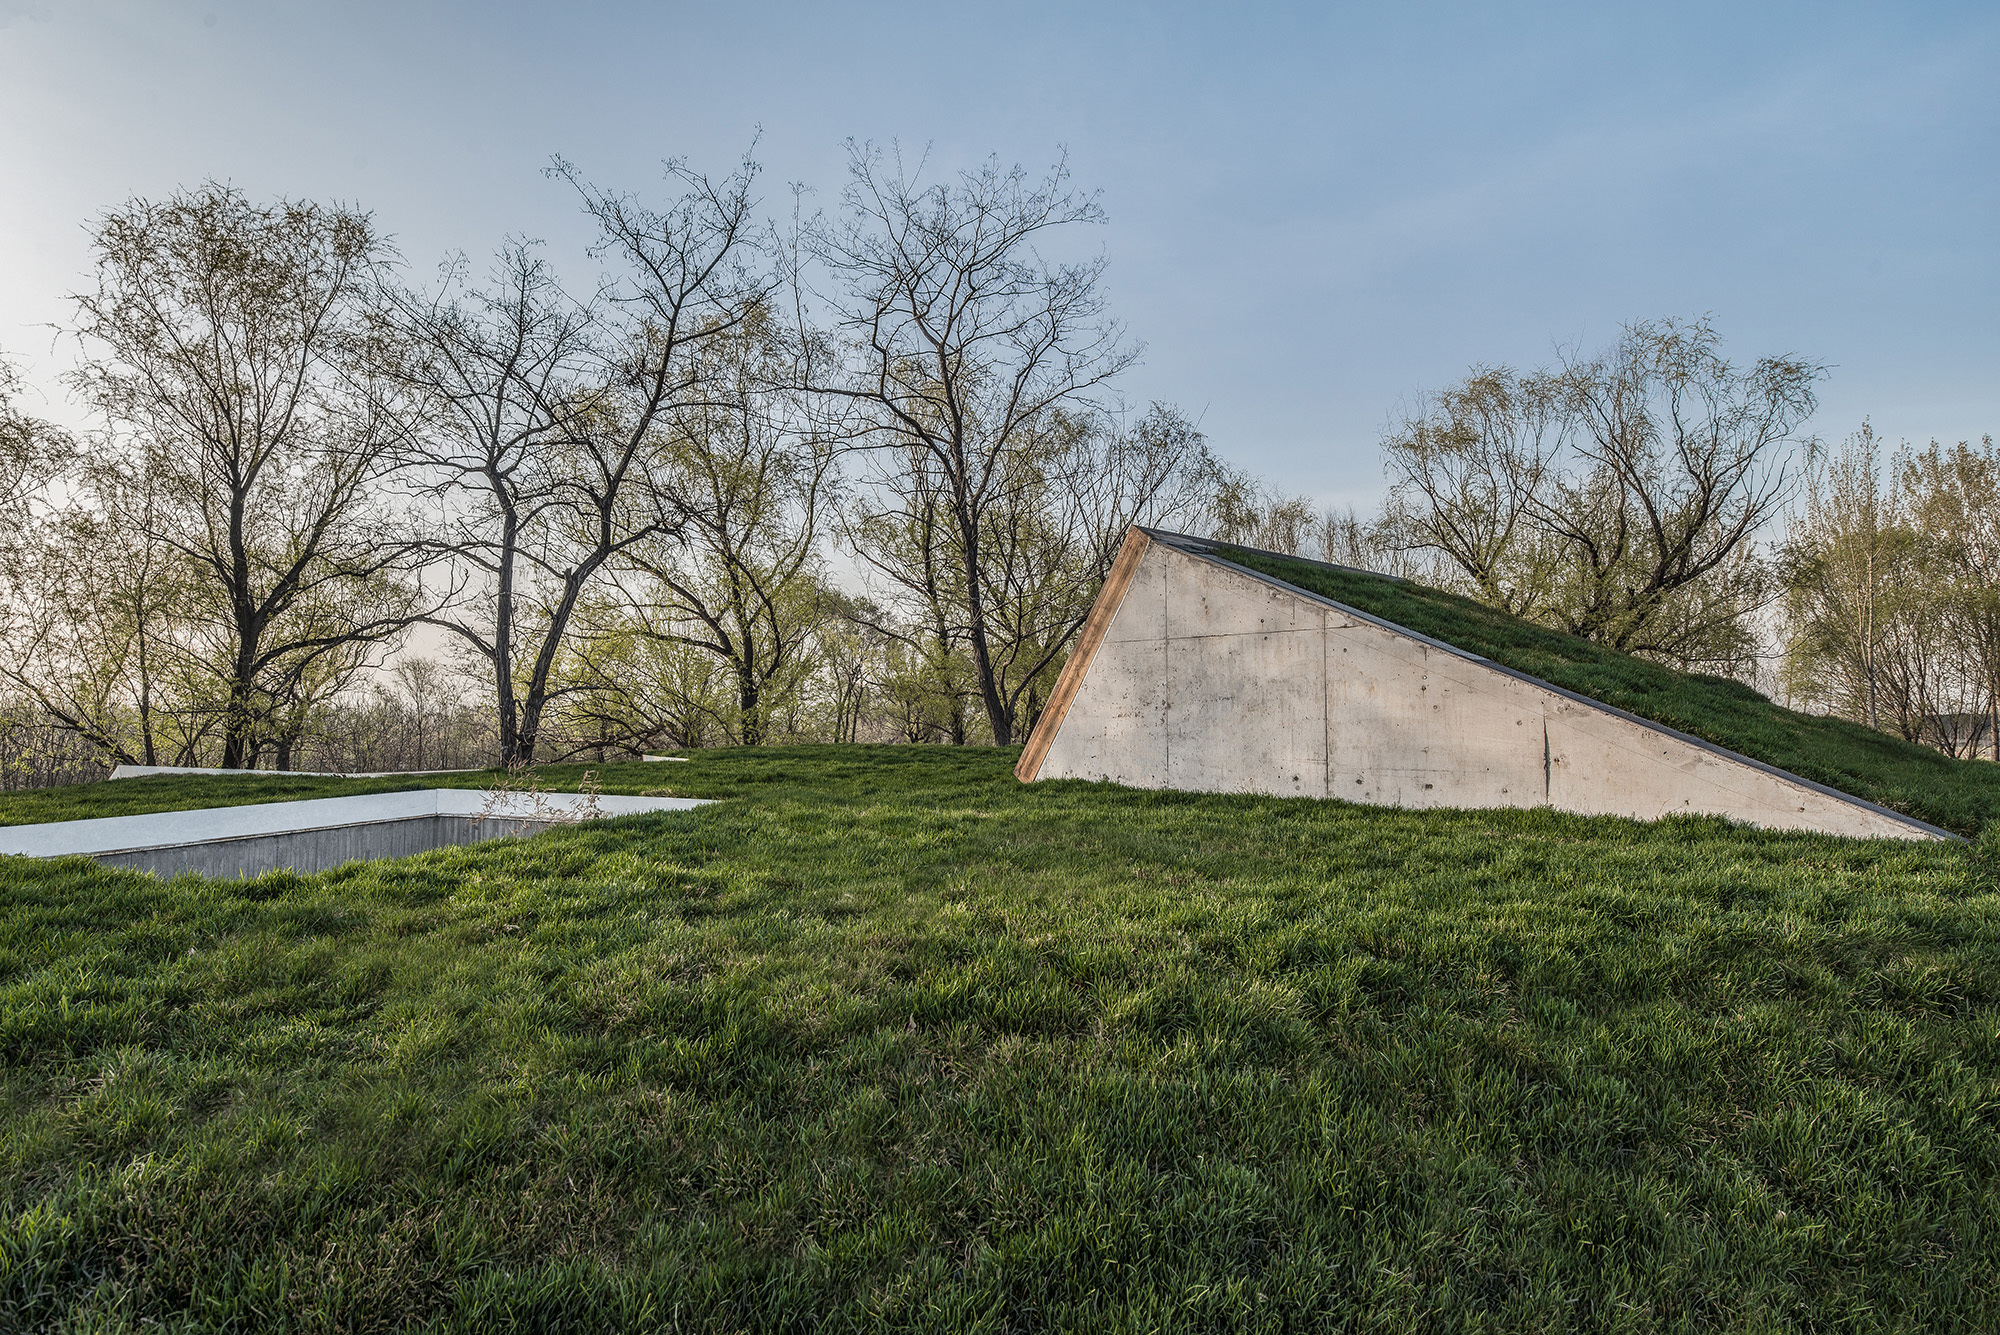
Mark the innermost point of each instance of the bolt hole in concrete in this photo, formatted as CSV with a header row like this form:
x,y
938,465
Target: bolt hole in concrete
x,y
318,833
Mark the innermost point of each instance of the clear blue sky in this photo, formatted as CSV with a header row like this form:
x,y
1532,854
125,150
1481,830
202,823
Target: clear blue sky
x,y
1315,210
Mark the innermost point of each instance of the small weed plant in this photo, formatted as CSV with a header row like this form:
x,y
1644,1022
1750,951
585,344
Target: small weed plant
x,y
518,800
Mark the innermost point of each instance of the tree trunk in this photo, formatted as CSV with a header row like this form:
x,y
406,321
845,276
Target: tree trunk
x,y
989,689
982,659
519,749
237,752
545,661
146,705
749,695
511,753
956,724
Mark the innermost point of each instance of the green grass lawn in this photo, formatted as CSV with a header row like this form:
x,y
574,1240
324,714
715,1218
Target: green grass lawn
x,y
1960,795
887,1041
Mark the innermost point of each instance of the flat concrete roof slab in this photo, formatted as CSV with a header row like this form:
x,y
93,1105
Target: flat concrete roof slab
x,y
155,771
167,829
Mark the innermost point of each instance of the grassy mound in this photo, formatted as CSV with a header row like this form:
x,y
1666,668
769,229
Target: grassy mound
x,y
1959,795
890,1042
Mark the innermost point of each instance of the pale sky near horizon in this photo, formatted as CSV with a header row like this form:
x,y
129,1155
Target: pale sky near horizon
x,y
1315,211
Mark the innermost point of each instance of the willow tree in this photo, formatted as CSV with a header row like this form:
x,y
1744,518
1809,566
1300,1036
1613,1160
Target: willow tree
x,y
226,352
1954,497
1615,497
33,452
1891,572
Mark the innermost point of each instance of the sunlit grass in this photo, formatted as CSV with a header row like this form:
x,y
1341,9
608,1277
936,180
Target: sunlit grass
x,y
889,1041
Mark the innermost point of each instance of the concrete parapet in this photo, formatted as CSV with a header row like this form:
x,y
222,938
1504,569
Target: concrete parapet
x,y
317,834
172,771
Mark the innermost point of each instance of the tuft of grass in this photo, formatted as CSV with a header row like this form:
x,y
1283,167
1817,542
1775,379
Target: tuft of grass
x,y
887,1041
1960,795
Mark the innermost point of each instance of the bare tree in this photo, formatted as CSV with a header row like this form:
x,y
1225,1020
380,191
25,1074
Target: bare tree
x,y
33,453
1466,468
1892,616
850,655
1614,497
1848,555
226,358
505,375
80,617
900,529
1686,459
1955,506
1062,497
99,645
545,412
742,486
1062,510
961,341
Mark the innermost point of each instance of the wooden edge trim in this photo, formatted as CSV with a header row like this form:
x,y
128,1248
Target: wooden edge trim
x,y
1123,567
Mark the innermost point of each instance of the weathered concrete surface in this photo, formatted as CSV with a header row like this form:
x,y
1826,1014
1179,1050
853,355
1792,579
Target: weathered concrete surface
x,y
1198,674
313,850
312,835
151,771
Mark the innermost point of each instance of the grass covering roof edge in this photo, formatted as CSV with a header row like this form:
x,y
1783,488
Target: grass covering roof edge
x,y
1939,793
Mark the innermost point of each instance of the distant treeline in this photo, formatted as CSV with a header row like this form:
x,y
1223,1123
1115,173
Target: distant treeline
x,y
857,477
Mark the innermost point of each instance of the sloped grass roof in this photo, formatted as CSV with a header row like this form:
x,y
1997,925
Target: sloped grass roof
x,y
1960,795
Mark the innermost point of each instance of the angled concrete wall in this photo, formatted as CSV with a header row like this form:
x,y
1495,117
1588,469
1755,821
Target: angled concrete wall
x,y
1197,674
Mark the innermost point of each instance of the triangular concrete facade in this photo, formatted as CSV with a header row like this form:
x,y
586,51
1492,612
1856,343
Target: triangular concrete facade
x,y
1195,673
